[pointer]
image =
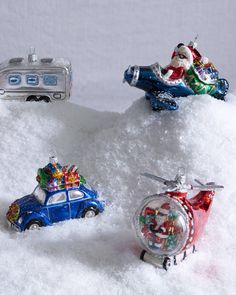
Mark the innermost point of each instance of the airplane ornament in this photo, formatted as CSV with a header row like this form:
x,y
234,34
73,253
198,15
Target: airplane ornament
x,y
189,73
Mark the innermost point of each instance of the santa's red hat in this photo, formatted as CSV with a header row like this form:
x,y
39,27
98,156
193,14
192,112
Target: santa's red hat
x,y
195,53
164,209
189,51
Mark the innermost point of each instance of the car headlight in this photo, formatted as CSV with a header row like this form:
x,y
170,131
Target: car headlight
x,y
20,220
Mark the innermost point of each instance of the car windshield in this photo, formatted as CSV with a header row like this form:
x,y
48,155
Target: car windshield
x,y
87,186
39,194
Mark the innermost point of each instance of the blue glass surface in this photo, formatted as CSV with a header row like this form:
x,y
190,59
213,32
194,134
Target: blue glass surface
x,y
14,79
32,80
161,92
50,80
47,213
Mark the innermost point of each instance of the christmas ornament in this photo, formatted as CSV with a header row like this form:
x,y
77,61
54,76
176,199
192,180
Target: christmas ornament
x,y
188,73
169,224
33,79
62,194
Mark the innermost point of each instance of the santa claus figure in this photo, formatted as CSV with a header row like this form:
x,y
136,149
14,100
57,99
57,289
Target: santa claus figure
x,y
182,59
159,227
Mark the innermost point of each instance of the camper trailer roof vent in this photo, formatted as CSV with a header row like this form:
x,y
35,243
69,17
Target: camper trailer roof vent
x,y
46,60
32,56
16,60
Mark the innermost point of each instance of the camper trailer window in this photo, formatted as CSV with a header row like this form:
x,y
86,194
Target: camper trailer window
x,y
32,80
50,80
14,79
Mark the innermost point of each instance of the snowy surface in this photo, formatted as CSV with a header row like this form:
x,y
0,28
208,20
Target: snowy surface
x,y
100,255
102,38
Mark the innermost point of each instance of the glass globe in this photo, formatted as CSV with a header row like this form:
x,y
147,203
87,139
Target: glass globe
x,y
161,225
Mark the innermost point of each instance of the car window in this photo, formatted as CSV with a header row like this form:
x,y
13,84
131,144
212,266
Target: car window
x,y
87,186
14,79
39,194
57,198
50,80
32,80
75,194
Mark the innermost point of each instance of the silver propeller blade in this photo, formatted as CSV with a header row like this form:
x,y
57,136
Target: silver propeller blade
x,y
198,181
207,187
154,177
159,179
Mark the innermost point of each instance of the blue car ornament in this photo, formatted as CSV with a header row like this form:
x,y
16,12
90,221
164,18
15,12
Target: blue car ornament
x,y
188,73
47,204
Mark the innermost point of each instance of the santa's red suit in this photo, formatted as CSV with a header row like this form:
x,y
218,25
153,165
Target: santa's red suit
x,y
157,230
177,72
181,60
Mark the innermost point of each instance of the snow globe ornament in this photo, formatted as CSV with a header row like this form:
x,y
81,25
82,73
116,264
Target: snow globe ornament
x,y
168,225
188,73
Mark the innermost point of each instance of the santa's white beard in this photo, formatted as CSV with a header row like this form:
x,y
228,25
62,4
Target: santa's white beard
x,y
180,62
159,220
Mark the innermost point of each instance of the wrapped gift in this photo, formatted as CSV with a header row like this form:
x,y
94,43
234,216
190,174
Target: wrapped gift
x,y
54,176
51,177
71,176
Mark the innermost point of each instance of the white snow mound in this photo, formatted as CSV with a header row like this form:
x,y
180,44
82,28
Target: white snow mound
x,y
100,255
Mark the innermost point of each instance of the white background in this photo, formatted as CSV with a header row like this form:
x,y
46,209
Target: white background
x,y
101,38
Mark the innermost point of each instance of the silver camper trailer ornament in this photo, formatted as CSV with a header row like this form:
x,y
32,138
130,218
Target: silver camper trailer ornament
x,y
34,79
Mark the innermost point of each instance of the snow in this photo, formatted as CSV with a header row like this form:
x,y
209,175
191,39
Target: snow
x,y
100,255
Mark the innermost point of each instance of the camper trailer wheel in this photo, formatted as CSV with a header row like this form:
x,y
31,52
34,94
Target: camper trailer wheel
x,y
45,98
31,98
37,98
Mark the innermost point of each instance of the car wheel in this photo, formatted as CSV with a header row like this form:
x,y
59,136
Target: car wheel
x,y
34,224
90,212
